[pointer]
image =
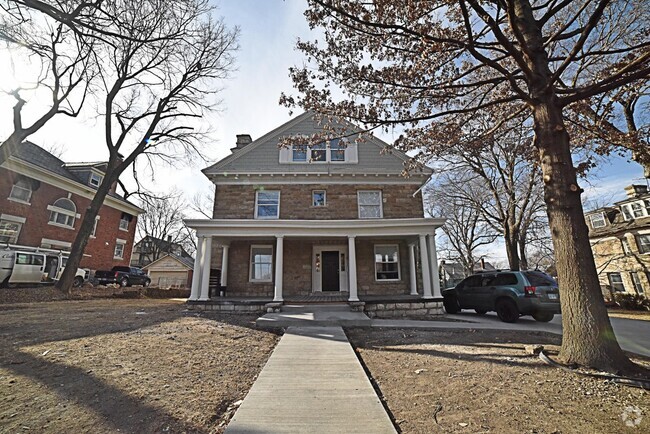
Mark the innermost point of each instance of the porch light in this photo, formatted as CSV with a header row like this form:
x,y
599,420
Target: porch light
x,y
318,262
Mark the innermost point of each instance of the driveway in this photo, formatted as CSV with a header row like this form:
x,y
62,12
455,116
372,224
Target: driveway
x,y
633,335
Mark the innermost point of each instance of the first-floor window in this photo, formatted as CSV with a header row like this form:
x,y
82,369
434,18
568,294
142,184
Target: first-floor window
x,y
261,264
318,198
616,281
63,212
9,231
636,279
643,242
387,262
119,250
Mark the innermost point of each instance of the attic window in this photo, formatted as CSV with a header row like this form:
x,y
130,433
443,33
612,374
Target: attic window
x,y
95,179
324,152
597,220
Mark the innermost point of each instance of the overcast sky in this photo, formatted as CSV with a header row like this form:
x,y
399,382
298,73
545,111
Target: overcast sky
x,y
269,29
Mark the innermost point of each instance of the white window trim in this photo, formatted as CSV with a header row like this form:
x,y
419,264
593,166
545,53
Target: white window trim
x,y
598,217
279,200
611,283
67,212
636,282
250,263
639,244
99,177
309,148
14,221
94,232
127,225
641,209
381,204
15,199
324,198
57,242
121,243
13,218
399,265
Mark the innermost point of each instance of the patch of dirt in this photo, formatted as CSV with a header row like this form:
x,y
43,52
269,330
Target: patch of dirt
x,y
479,381
86,292
132,366
642,315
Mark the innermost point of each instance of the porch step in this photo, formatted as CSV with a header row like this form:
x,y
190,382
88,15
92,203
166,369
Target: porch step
x,y
314,315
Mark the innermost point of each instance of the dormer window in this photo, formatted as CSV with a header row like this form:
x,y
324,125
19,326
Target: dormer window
x,y
597,220
95,179
637,209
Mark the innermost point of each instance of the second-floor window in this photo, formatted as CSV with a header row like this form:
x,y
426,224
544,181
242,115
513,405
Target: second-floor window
x,y
267,204
643,242
369,204
21,191
63,212
124,221
597,220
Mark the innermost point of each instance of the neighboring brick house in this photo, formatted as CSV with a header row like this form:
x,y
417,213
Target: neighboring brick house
x,y
620,241
324,219
150,249
42,200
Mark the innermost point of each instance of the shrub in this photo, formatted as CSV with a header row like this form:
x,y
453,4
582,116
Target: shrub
x,y
632,301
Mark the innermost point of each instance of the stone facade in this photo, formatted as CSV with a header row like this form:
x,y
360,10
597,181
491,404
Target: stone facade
x,y
238,201
404,310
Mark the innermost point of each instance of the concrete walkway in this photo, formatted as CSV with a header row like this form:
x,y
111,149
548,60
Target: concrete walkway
x,y
314,315
312,383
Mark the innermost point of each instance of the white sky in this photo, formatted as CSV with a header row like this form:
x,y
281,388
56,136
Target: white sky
x,y
269,29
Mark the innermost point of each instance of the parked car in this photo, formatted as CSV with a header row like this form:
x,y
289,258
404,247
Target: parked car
x,y
24,264
122,275
510,293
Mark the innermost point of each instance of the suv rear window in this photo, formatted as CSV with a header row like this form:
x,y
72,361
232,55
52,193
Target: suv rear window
x,y
504,279
537,278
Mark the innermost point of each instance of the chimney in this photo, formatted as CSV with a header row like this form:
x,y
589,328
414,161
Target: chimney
x,y
636,190
482,263
242,140
169,238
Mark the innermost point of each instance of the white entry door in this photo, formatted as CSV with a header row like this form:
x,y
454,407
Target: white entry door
x,y
330,269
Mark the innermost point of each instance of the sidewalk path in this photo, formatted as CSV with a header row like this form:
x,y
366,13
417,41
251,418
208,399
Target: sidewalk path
x,y
312,383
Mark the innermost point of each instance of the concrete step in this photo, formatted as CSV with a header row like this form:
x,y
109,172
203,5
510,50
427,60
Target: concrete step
x,y
314,315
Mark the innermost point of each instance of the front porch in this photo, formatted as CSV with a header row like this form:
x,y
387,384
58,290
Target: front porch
x,y
309,261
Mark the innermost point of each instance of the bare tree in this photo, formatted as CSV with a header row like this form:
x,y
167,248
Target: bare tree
x,y
203,203
436,66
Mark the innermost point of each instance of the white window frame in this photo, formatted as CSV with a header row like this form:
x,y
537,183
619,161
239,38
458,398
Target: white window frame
x,y
124,224
638,210
613,284
398,262
251,265
4,218
644,247
257,216
95,177
381,203
598,217
71,216
15,187
94,232
313,201
122,243
309,149
627,249
627,214
636,281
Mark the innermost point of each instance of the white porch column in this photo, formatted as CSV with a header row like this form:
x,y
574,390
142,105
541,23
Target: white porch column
x,y
426,273
279,259
435,273
198,266
206,255
413,277
352,269
224,265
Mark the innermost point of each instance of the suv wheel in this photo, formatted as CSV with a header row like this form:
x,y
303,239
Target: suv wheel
x,y
124,282
451,304
507,310
542,316
77,282
146,283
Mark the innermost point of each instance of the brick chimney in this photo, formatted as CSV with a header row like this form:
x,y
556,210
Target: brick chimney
x,y
242,140
636,190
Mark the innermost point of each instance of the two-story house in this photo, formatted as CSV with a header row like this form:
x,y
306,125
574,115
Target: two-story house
x,y
150,249
620,241
335,217
42,201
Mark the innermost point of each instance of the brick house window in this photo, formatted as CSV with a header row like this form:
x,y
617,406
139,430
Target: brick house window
x,y
636,279
386,262
63,212
318,198
597,220
9,231
124,221
21,191
369,204
267,204
616,282
261,264
643,242
119,249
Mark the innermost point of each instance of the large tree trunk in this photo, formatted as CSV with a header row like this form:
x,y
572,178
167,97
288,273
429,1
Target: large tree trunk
x,y
523,258
512,244
588,339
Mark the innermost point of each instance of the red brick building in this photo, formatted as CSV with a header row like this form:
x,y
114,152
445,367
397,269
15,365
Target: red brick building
x,y
42,201
335,217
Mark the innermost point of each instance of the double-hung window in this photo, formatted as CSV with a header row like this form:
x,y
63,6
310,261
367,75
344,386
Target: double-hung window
x,y
124,221
636,279
616,281
643,242
369,204
387,262
261,264
21,191
597,220
119,249
9,231
267,204
637,209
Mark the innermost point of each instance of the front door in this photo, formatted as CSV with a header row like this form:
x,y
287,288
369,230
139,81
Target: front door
x,y
331,281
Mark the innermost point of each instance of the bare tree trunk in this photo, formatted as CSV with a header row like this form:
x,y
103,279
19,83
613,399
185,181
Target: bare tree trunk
x,y
523,259
512,243
588,338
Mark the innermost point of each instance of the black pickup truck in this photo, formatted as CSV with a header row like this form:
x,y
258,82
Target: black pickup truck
x,y
124,276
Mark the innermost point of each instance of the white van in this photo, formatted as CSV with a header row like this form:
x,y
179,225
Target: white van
x,y
22,264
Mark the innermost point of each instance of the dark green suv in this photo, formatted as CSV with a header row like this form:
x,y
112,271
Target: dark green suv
x,y
510,293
